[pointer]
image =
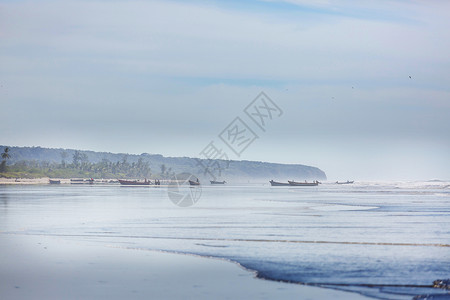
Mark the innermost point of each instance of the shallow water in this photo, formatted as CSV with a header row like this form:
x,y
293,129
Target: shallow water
x,y
387,240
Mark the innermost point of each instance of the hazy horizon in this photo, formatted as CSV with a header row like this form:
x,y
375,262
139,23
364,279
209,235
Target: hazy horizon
x,y
363,88
264,179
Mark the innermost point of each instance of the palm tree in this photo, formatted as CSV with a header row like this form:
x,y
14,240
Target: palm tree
x,y
163,170
5,156
63,158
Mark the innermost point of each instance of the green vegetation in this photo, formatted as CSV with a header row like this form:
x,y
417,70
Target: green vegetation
x,y
70,163
166,173
5,157
80,167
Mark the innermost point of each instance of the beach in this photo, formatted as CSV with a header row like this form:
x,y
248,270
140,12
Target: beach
x,y
39,267
43,180
381,240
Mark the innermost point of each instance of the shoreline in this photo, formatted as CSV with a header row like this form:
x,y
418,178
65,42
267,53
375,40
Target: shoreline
x,y
46,180
52,268
42,180
64,181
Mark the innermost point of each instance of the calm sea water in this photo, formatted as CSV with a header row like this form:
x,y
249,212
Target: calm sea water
x,y
388,240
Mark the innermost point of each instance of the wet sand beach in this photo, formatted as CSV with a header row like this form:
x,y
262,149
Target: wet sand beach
x,y
38,267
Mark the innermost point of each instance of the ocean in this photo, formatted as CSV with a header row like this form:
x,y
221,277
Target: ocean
x,y
386,240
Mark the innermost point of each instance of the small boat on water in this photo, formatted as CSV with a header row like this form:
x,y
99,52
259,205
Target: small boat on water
x,y
134,182
275,183
54,181
81,181
348,182
191,182
295,183
217,182
77,181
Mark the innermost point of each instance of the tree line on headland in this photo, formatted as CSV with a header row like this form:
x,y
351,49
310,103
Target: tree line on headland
x,y
80,166
34,162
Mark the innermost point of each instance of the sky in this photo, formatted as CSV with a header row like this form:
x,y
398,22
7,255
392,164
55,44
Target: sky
x,y
362,87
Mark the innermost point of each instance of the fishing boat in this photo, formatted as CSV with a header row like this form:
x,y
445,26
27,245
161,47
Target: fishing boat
x,y
274,183
295,183
347,182
217,182
134,182
54,181
77,181
191,182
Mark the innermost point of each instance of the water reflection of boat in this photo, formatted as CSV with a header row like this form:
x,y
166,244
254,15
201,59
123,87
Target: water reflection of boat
x,y
134,182
348,182
275,183
54,181
217,182
295,183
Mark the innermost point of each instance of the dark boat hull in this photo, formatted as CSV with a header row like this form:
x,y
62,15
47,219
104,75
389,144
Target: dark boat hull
x,y
294,183
274,183
54,181
217,182
77,181
133,182
194,182
81,181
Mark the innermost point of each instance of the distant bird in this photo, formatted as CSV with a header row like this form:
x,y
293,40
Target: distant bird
x,y
409,77
352,87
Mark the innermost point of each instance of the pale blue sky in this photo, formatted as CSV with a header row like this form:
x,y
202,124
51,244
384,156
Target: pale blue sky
x,y
168,76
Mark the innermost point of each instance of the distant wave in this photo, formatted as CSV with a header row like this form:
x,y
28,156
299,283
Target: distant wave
x,y
430,184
